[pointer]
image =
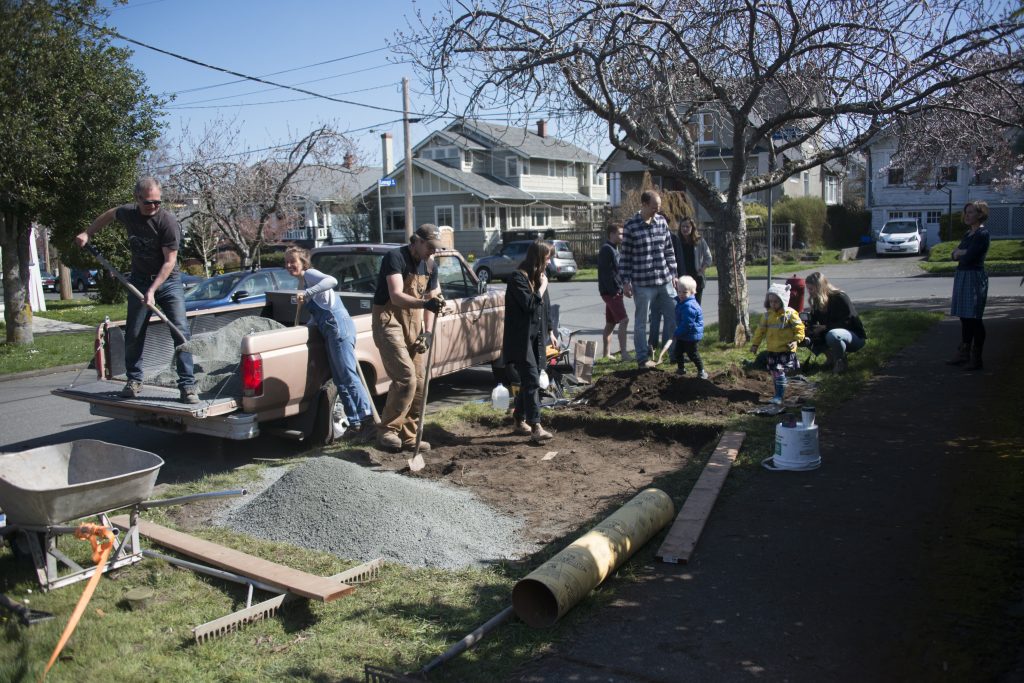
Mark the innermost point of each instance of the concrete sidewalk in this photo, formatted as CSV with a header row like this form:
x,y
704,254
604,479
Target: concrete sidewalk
x,y
900,559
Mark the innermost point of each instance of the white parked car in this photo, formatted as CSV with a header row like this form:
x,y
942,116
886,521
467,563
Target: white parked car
x,y
901,236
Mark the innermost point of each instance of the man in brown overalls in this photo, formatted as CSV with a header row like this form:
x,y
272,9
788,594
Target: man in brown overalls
x,y
406,287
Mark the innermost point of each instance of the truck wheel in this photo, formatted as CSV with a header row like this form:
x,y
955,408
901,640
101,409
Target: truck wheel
x,y
325,430
484,275
80,286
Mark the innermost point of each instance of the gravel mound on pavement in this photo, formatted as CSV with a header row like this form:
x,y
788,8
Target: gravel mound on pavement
x,y
360,514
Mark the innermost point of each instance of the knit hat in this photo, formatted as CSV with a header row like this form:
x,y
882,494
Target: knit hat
x,y
780,290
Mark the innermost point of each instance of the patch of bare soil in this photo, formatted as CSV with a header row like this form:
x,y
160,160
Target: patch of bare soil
x,y
590,464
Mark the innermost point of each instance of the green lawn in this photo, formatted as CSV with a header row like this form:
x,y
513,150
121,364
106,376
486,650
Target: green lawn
x,y
62,348
399,622
1005,257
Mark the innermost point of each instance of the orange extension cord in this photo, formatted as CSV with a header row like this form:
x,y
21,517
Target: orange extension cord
x,y
102,540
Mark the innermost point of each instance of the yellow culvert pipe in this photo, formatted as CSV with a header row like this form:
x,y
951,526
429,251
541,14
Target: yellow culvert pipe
x,y
541,598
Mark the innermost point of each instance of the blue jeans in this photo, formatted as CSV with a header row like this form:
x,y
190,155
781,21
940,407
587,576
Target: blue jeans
x,y
660,298
170,297
839,342
339,333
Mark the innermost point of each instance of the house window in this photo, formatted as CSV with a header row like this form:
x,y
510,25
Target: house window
x,y
567,214
948,174
444,215
831,190
490,217
515,217
703,129
720,179
896,214
569,171
467,157
540,217
552,168
895,176
932,217
470,217
511,167
807,183
982,178
394,219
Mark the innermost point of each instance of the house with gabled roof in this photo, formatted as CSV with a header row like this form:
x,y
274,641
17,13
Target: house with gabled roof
x,y
483,180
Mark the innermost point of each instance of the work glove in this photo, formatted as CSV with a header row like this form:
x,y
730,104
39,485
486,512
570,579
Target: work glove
x,y
435,305
423,342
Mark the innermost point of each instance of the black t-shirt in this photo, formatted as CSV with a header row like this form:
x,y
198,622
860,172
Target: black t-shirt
x,y
147,236
400,261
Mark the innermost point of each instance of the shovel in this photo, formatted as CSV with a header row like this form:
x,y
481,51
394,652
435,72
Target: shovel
x,y
416,462
664,350
134,290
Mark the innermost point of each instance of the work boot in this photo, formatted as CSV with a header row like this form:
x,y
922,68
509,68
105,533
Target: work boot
x,y
680,370
389,441
132,389
539,434
189,394
522,428
840,366
411,446
362,433
975,362
962,355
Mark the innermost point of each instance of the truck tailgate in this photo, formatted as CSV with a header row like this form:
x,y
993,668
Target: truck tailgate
x,y
154,400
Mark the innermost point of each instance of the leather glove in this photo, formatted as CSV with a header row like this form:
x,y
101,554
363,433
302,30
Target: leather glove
x,y
423,342
435,305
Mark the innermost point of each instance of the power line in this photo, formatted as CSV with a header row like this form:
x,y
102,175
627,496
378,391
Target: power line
x,y
192,105
241,75
263,90
278,73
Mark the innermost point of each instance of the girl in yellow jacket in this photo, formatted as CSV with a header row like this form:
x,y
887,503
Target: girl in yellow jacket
x,y
782,330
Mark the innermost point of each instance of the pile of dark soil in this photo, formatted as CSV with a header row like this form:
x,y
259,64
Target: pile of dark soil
x,y
663,392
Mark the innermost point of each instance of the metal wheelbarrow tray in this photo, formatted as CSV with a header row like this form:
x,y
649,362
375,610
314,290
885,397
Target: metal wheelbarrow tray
x,y
55,484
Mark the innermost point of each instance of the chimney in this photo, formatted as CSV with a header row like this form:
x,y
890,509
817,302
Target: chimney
x,y
387,156
350,160
542,128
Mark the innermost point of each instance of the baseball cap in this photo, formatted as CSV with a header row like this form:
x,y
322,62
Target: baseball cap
x,y
429,232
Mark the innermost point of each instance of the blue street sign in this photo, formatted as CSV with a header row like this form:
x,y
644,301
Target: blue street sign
x,y
387,182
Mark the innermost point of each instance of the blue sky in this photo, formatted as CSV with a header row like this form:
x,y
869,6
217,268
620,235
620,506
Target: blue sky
x,y
261,38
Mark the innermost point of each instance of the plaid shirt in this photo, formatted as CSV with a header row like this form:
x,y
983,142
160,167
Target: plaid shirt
x,y
646,256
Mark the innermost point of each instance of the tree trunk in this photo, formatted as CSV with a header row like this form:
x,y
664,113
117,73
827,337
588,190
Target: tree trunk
x,y
14,236
65,283
731,250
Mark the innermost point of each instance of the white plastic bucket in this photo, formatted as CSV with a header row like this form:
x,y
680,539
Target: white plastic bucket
x,y
796,448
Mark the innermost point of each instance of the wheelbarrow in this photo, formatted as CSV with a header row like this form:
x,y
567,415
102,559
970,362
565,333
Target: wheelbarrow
x,y
43,490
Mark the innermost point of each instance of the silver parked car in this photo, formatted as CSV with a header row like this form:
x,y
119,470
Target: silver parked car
x,y
500,265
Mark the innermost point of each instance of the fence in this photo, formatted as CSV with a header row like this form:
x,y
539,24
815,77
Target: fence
x,y
757,240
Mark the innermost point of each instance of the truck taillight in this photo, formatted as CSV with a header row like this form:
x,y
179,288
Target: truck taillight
x,y
252,375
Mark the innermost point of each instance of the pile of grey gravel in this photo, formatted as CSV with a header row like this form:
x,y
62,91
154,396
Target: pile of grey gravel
x,y
360,514
216,356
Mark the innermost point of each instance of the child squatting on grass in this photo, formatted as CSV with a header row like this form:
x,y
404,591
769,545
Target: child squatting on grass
x,y
782,330
689,326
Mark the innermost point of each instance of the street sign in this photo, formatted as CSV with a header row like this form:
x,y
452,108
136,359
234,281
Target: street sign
x,y
387,182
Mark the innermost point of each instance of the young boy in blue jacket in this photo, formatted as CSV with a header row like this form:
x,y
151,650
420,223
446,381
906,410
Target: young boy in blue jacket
x,y
689,326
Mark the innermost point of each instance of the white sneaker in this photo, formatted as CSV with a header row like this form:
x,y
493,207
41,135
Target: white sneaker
x,y
703,374
775,400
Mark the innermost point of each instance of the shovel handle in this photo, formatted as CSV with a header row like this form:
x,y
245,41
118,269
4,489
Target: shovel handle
x,y
134,290
426,387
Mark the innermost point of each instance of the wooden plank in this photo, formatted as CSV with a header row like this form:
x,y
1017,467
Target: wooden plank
x,y
286,578
682,537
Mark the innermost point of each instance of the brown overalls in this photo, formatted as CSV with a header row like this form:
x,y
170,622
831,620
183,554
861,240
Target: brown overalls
x,y
394,332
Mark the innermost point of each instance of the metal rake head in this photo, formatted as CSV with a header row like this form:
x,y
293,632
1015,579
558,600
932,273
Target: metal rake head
x,y
373,674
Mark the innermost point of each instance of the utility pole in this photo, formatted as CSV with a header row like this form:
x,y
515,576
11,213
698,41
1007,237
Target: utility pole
x,y
408,160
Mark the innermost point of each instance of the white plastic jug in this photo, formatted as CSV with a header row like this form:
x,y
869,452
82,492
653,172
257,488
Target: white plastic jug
x,y
499,397
545,381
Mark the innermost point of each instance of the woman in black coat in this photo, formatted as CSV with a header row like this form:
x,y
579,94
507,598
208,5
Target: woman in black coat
x,y
526,336
970,286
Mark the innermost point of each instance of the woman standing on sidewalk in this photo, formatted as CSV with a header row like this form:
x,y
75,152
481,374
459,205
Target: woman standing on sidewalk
x,y
970,286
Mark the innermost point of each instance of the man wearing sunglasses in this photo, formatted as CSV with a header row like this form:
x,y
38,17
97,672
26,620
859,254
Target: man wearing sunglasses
x,y
153,238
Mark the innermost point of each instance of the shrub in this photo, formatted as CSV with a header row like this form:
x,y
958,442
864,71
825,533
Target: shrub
x,y
806,213
757,211
951,231
845,226
272,259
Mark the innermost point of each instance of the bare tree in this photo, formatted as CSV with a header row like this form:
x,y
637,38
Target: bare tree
x,y
248,197
788,85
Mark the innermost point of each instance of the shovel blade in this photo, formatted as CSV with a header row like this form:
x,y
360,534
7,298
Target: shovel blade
x,y
416,463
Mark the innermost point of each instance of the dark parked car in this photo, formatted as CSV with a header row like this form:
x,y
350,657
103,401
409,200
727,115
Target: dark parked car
x,y
51,283
83,280
499,266
244,287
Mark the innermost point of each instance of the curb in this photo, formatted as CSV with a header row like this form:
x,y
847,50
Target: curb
x,y
42,371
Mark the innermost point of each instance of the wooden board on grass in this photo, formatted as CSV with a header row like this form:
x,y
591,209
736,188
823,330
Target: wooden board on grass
x,y
682,537
287,579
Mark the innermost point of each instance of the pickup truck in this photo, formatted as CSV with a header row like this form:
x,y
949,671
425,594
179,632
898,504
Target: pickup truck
x,y
283,375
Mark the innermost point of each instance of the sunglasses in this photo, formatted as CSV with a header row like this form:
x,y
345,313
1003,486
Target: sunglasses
x,y
152,202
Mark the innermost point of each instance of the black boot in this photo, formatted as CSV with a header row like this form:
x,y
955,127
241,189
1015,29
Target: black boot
x,y
962,355
975,362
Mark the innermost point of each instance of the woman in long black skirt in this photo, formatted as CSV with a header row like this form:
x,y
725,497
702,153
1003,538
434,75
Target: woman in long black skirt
x,y
970,286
